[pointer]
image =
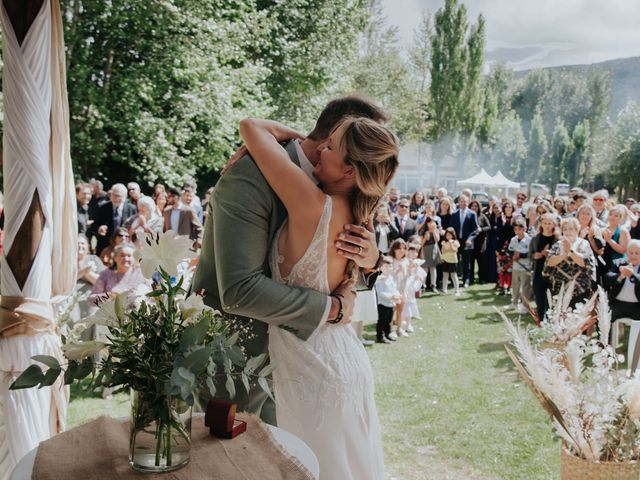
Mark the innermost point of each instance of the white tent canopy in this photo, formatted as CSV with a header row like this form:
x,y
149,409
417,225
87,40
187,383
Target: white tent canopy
x,y
482,178
499,180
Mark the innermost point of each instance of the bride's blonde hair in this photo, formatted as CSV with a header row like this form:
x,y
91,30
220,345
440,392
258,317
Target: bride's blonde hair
x,y
372,150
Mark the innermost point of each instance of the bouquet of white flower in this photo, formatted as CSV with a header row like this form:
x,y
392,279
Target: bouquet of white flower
x,y
162,346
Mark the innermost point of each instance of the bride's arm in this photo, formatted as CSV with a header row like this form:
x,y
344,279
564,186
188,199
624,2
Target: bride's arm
x,y
294,188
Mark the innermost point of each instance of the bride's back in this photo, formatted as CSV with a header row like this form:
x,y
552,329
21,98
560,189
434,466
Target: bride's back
x,y
298,233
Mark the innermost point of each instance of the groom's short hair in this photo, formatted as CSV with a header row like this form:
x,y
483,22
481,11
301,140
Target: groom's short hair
x,y
340,108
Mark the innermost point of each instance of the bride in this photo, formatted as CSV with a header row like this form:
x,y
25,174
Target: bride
x,y
324,387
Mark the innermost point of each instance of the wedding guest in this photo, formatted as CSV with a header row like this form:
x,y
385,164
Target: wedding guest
x,y
538,251
521,270
615,236
481,242
571,208
404,223
560,206
98,198
599,204
398,252
634,224
158,188
623,283
415,279
579,198
590,231
431,251
89,268
133,188
521,197
429,212
571,258
189,198
125,275
181,218
505,223
450,247
388,296
465,222
504,262
145,222
120,236
161,202
416,204
385,229
393,196
365,309
493,245
445,210
629,202
111,215
83,197
206,203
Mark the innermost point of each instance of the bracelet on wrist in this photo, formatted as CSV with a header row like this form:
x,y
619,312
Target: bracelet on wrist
x,y
340,314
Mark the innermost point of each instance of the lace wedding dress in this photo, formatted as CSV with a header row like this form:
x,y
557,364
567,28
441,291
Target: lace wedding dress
x,y
324,386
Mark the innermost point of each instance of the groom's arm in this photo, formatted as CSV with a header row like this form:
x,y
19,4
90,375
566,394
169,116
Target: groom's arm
x,y
242,205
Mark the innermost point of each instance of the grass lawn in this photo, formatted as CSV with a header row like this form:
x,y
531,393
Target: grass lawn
x,y
449,400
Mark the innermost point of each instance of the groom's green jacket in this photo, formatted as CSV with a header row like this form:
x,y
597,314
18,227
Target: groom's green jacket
x,y
234,271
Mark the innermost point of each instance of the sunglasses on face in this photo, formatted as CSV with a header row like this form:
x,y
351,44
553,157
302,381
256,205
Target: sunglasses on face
x,y
122,235
403,206
598,199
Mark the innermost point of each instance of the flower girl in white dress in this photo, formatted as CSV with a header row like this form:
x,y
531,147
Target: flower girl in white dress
x,y
324,386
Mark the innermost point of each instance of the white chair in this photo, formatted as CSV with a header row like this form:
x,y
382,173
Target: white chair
x,y
634,333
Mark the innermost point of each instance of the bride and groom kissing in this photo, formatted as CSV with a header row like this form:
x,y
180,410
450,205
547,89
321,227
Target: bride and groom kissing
x,y
283,250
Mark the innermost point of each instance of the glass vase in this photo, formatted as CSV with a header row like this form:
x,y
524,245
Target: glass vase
x,y
160,438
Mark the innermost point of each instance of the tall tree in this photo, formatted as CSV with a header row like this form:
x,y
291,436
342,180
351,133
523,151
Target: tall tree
x,y
510,146
537,150
456,61
581,151
560,151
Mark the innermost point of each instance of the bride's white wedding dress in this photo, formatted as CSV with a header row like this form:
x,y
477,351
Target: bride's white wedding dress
x,y
324,386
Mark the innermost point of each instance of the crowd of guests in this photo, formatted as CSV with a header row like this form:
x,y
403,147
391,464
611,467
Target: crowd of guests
x,y
527,247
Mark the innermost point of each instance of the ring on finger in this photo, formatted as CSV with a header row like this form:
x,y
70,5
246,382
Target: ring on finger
x,y
360,249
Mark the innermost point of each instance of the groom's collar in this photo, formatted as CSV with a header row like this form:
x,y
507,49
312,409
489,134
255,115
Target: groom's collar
x,y
306,166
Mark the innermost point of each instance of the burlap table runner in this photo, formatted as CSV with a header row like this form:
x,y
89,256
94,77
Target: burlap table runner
x,y
99,450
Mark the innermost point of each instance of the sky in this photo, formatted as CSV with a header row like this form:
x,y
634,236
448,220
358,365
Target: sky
x,y
527,34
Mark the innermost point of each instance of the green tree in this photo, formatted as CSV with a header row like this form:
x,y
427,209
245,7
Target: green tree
x,y
625,172
500,81
560,150
510,146
456,62
537,150
581,151
152,94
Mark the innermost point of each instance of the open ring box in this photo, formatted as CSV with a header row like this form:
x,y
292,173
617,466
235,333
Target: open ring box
x,y
220,417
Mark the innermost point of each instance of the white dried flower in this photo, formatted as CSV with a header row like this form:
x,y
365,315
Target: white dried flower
x,y
166,252
81,350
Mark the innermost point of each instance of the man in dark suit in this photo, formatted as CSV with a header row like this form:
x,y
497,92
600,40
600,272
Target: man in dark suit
x,y
181,218
465,222
623,284
112,215
404,223
83,196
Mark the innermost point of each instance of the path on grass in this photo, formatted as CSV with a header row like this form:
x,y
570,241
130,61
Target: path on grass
x,y
450,403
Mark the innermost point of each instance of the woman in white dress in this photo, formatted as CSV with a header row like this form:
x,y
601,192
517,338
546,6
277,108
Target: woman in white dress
x,y
324,386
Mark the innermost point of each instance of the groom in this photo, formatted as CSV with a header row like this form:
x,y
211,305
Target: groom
x,y
233,269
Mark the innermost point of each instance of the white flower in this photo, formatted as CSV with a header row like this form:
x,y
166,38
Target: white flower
x,y
109,313
165,252
192,305
78,351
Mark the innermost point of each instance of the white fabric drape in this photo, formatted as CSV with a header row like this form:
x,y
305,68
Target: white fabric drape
x,y
35,158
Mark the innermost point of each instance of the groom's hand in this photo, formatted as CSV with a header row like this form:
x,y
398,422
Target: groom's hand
x,y
359,244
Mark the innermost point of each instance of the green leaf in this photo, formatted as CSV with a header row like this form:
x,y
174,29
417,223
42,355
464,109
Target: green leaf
x,y
70,372
265,386
230,386
49,361
266,371
236,355
194,334
50,377
245,381
31,377
197,360
85,368
211,386
254,362
232,339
